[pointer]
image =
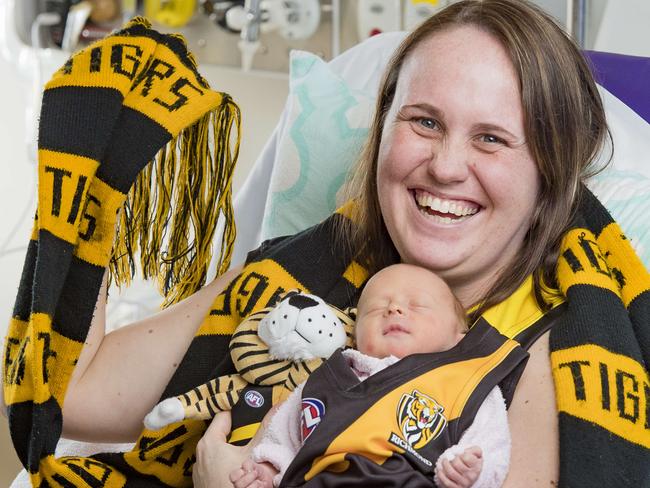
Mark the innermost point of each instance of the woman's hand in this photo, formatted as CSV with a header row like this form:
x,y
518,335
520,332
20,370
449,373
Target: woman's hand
x,y
215,458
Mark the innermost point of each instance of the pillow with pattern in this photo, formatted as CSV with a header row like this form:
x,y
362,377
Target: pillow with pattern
x,y
326,126
626,194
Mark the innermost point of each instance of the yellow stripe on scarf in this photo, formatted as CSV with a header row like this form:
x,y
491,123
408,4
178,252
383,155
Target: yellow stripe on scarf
x,y
622,259
609,389
112,62
164,91
63,185
249,293
95,472
582,263
30,381
97,231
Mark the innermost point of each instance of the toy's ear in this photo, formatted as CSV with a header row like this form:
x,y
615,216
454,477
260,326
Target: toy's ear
x,y
282,297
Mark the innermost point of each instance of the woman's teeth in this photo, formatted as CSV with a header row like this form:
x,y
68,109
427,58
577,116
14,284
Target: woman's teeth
x,y
443,211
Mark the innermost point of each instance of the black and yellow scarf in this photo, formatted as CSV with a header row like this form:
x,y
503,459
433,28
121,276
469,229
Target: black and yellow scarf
x,y
105,114
112,108
600,351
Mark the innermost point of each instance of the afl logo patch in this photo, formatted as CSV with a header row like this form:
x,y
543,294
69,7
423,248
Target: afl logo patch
x,y
313,411
254,399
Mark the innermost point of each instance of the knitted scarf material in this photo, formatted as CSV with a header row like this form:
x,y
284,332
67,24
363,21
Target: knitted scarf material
x,y
600,351
131,98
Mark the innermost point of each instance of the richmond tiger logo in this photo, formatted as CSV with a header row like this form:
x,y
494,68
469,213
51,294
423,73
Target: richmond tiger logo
x,y
420,418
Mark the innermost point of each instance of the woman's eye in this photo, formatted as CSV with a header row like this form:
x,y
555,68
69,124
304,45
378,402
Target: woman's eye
x,y
427,123
491,139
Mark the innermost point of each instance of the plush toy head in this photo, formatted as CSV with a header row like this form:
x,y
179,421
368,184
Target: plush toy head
x,y
283,344
301,326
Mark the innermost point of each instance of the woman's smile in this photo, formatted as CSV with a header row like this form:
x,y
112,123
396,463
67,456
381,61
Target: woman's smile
x,y
444,210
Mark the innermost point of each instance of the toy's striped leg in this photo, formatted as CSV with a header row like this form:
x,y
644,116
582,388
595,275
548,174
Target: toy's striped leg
x,y
199,403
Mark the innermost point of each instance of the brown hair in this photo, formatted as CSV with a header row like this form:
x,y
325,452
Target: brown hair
x,y
564,124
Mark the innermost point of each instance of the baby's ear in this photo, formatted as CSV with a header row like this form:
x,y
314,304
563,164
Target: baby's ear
x,y
351,312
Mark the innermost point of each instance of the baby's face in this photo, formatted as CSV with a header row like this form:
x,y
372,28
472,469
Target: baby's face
x,y
405,310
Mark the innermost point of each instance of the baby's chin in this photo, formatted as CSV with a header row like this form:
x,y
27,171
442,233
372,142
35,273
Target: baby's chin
x,y
399,350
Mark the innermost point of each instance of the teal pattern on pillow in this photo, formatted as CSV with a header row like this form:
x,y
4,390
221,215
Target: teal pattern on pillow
x,y
626,194
327,124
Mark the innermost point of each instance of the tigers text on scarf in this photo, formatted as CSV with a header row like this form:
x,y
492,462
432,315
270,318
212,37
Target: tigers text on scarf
x,y
600,351
124,101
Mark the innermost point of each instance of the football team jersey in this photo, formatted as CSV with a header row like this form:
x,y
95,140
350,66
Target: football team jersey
x,y
390,429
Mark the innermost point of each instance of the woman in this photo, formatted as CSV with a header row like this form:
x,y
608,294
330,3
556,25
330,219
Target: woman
x,y
472,172
487,122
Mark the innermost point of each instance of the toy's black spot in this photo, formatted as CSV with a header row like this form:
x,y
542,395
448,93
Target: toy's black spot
x,y
273,322
323,315
301,302
331,334
320,331
285,315
308,320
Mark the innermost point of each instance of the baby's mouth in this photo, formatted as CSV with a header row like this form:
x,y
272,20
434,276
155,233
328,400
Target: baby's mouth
x,y
394,329
442,210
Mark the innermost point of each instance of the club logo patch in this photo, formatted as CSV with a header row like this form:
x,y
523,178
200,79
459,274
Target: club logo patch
x,y
254,399
313,411
420,420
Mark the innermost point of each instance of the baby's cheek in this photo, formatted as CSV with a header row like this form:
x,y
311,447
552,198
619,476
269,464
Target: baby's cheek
x,y
365,344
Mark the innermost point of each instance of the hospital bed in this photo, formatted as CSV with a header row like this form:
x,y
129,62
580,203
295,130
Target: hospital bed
x,y
295,181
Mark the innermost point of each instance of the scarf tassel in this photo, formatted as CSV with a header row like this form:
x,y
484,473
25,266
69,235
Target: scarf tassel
x,y
169,219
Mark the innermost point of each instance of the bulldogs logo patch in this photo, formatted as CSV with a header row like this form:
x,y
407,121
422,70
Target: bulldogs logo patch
x,y
312,413
420,419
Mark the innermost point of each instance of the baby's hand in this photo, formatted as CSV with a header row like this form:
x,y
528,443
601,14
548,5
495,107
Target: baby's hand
x,y
462,471
253,475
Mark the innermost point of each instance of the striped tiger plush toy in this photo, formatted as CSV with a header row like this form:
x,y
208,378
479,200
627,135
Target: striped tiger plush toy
x,y
277,347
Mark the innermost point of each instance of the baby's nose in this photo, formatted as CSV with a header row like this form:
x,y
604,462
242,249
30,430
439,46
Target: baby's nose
x,y
395,308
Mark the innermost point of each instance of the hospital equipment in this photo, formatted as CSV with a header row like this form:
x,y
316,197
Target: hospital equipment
x,y
293,19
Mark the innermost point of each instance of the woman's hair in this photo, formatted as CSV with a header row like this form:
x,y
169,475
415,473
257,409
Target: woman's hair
x,y
564,124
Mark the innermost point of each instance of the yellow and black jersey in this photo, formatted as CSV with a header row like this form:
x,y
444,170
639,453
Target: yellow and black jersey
x,y
390,429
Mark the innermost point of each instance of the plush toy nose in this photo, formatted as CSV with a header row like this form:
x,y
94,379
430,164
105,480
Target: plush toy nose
x,y
301,302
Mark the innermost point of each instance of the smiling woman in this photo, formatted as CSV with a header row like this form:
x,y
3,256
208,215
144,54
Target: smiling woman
x,y
435,145
486,126
470,169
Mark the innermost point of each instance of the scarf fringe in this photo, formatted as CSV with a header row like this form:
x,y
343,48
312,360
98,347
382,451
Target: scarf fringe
x,y
169,219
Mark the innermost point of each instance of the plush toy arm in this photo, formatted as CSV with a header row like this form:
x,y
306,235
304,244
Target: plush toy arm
x,y
199,403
